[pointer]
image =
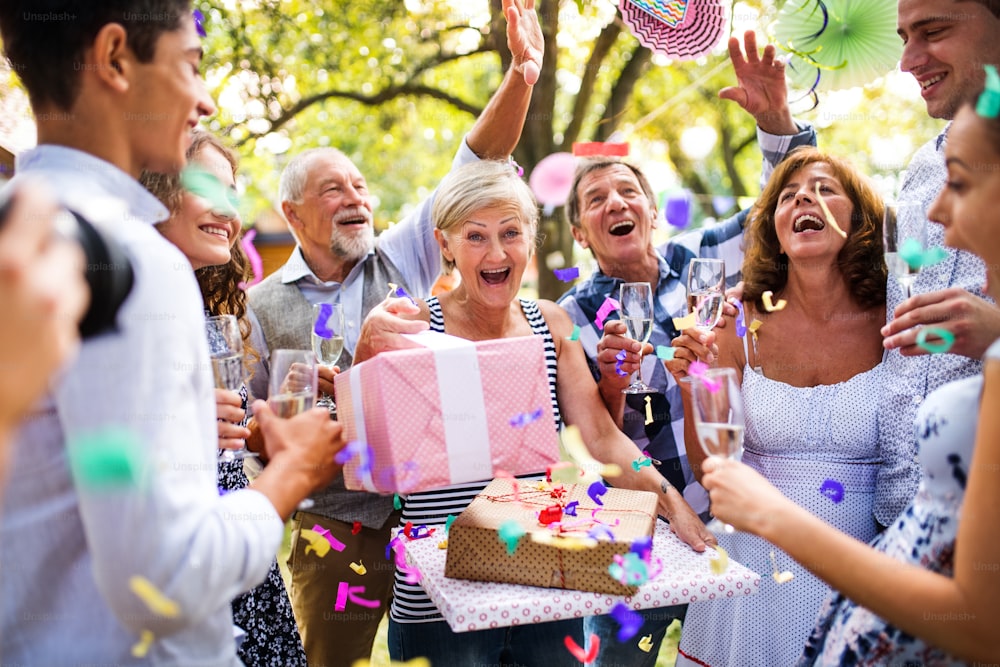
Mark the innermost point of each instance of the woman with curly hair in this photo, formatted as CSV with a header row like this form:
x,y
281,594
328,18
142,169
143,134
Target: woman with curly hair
x,y
810,374
208,234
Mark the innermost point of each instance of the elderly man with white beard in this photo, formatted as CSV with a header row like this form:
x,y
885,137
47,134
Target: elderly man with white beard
x,y
337,259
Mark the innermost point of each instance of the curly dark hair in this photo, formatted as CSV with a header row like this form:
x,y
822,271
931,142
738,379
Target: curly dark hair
x,y
862,259
220,285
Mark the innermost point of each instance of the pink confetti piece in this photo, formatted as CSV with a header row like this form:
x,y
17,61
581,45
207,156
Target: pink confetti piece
x,y
335,544
256,263
413,574
629,621
609,306
347,592
567,275
596,490
516,491
697,369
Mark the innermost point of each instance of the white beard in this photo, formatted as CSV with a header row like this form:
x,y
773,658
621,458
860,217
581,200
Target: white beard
x,y
355,246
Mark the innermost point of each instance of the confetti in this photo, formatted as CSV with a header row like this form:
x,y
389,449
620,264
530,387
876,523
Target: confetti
x,y
203,183
573,444
317,543
401,293
599,148
916,257
256,262
769,305
600,529
586,657
397,504
443,544
665,352
321,327
413,574
510,532
450,520
754,326
567,275
576,333
525,418
629,622
686,322
619,360
359,568
649,411
629,570
609,306
199,24
550,515
347,592
780,577
416,662
356,528
140,649
570,509
641,462
832,221
596,490
335,544
947,340
646,644
741,324
721,564
157,602
833,490
105,459
643,547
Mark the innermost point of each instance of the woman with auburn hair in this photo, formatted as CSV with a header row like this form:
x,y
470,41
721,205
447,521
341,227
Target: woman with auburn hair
x,y
209,235
810,375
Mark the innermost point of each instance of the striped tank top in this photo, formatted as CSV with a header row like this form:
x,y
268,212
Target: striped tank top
x,y
410,603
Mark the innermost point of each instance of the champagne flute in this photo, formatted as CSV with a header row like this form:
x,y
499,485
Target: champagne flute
x,y
706,291
292,384
225,346
717,402
637,312
904,232
327,341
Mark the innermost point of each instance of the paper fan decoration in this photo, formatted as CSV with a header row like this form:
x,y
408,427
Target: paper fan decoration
x,y
678,29
837,44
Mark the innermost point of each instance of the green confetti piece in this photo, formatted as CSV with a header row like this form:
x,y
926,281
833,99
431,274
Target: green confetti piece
x,y
509,533
450,520
935,255
204,184
105,459
397,504
947,340
576,333
664,352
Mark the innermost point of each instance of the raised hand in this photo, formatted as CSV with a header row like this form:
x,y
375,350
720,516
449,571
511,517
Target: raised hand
x,y
524,38
761,88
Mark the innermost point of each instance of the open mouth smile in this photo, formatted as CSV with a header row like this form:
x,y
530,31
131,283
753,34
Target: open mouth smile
x,y
622,228
495,276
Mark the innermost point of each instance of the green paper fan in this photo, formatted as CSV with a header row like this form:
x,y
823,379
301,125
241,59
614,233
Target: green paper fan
x,y
837,44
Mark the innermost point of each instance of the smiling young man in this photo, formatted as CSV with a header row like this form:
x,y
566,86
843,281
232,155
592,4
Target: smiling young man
x,y
328,207
136,571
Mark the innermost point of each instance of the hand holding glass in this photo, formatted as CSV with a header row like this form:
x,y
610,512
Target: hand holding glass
x,y
225,346
706,291
327,340
904,232
717,403
637,313
292,386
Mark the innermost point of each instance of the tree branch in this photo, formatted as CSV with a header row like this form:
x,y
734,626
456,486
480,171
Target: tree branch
x,y
621,92
602,46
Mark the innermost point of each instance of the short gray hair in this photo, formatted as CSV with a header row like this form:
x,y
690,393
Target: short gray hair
x,y
478,185
296,173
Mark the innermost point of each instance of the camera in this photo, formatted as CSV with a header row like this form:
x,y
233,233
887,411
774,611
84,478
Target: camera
x,y
108,271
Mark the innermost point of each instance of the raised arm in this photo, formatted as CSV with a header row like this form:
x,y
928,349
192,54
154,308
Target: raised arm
x,y
499,126
760,86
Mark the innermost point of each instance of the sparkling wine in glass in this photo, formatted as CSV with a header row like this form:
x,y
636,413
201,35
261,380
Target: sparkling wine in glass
x,y
904,232
706,291
327,340
225,346
637,313
292,385
717,403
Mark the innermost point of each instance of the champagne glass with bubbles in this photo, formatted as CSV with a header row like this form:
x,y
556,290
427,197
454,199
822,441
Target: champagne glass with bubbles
x,y
717,402
706,291
225,346
904,232
637,312
327,341
292,384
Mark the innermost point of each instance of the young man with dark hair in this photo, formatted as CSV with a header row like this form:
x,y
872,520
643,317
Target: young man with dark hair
x,y
138,571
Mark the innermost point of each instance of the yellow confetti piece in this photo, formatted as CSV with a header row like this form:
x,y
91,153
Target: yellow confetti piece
x,y
721,564
567,542
649,411
140,649
573,443
317,543
769,305
157,602
416,662
646,644
359,568
756,324
443,544
780,577
687,322
829,216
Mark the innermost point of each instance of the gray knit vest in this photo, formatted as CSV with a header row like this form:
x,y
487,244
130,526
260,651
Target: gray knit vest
x,y
286,319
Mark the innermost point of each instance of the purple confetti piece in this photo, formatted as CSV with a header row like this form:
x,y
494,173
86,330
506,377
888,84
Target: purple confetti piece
x,y
741,323
643,547
596,490
400,292
629,622
321,327
833,490
525,418
199,23
598,530
619,360
570,509
567,275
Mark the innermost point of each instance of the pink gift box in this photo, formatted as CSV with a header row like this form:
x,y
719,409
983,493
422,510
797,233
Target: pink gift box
x,y
449,412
